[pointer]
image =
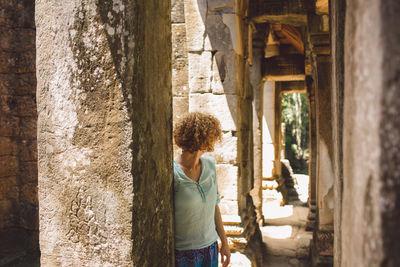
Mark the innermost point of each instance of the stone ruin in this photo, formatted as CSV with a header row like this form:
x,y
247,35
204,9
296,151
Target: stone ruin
x,y
89,91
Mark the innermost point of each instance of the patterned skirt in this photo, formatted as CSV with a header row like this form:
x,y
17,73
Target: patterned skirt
x,y
204,257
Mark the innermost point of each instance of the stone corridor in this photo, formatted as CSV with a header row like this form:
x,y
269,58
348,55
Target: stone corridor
x,y
89,92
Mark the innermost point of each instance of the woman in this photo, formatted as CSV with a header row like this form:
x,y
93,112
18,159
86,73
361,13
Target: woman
x,y
198,220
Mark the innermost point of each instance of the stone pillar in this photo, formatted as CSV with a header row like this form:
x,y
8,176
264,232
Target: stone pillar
x,y
371,129
337,14
18,143
323,233
268,129
277,170
258,86
255,246
104,133
312,170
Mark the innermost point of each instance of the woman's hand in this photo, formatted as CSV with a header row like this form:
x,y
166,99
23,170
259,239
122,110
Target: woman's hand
x,y
225,254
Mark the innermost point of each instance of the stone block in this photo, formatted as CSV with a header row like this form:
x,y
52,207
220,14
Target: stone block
x,y
18,84
225,6
195,17
8,208
225,151
227,181
9,188
223,73
178,11
17,14
28,216
228,207
7,146
178,41
18,105
218,33
221,106
8,166
29,194
9,125
180,82
28,127
17,40
28,171
200,72
180,107
27,150
17,62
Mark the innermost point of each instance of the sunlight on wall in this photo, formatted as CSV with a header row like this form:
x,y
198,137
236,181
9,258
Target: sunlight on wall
x,y
268,129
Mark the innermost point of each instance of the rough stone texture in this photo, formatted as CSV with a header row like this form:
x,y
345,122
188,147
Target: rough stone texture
x,y
221,106
177,11
225,6
325,174
370,135
195,17
255,247
208,73
257,84
200,70
227,181
104,131
223,69
337,14
218,33
18,143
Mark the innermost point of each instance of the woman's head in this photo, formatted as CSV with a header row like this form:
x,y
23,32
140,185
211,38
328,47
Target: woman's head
x,y
197,132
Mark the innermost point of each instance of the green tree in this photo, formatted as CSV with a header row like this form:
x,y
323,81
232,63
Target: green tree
x,y
295,116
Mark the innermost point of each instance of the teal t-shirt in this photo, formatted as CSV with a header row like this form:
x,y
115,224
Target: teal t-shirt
x,y
195,207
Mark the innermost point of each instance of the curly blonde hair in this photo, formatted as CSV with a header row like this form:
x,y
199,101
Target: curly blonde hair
x,y
197,131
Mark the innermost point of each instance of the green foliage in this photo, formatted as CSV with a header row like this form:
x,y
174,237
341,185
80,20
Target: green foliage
x,y
295,116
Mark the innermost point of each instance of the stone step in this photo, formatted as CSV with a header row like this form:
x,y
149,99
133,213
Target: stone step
x,y
231,220
268,179
232,230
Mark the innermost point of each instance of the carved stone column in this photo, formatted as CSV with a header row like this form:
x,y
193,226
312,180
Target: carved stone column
x,y
311,218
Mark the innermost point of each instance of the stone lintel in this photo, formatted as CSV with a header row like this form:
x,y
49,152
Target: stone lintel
x,y
292,19
278,7
292,86
284,68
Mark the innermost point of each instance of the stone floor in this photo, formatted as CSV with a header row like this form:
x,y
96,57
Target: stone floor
x,y
287,242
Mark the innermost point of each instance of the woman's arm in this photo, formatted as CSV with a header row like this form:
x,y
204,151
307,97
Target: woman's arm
x,y
225,252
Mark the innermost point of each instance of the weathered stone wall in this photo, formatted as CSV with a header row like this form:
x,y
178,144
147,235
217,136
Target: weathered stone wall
x,y
18,147
104,133
203,79
371,130
180,83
